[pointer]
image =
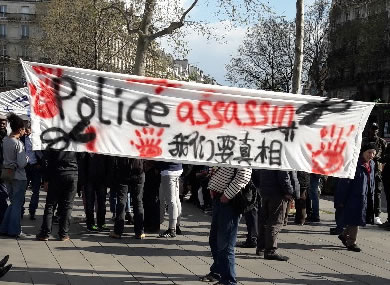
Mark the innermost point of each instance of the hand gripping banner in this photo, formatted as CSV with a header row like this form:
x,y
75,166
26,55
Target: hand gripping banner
x,y
122,115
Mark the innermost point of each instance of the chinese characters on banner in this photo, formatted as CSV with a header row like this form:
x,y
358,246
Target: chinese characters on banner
x,y
116,114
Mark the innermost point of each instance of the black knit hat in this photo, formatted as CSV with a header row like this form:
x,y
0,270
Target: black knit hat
x,y
367,146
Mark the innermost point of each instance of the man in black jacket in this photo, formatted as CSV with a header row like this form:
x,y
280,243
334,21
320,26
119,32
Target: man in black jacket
x,y
60,182
276,188
127,175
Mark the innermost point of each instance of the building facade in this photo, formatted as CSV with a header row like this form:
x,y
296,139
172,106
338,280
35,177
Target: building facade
x,y
17,28
358,65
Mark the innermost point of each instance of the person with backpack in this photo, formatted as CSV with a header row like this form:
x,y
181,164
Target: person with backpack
x,y
127,175
14,162
3,188
225,183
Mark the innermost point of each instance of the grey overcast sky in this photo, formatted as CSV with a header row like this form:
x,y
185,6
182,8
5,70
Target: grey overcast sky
x,y
211,55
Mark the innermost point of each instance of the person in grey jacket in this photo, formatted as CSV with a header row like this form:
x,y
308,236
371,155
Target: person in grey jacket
x,y
15,158
277,188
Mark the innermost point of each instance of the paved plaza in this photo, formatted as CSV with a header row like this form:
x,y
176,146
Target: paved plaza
x,y
315,256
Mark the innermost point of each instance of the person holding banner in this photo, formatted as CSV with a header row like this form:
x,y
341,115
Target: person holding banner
x,y
224,184
14,161
60,176
355,196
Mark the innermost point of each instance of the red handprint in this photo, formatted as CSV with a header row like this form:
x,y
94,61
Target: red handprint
x,y
149,142
330,157
43,100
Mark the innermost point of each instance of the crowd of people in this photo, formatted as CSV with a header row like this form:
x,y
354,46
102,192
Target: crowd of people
x,y
152,188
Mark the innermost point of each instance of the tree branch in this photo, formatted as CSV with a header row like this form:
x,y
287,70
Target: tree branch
x,y
124,15
174,25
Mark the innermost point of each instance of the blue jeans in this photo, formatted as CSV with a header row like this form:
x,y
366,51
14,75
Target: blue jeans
x,y
11,221
3,200
223,235
313,194
114,201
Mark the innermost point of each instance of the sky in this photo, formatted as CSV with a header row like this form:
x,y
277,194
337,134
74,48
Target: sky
x,y
211,56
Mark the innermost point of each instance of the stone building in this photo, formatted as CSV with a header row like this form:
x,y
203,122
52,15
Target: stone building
x,y
17,28
358,64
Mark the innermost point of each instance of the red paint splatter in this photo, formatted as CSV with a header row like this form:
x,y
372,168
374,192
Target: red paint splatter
x,y
329,158
148,145
44,102
91,146
162,84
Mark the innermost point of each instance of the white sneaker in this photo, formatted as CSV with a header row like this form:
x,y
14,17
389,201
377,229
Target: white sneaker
x,y
377,221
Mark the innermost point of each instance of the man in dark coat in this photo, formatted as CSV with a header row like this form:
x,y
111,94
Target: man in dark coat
x,y
277,188
60,180
354,196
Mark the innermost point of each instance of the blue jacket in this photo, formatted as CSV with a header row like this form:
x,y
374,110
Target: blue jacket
x,y
353,194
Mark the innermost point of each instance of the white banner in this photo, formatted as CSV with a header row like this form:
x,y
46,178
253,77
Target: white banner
x,y
84,110
15,101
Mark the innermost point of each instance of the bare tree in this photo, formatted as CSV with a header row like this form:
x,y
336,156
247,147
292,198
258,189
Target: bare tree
x,y
149,21
266,57
316,45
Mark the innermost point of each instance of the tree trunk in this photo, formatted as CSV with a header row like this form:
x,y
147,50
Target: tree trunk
x,y
143,38
299,26
142,47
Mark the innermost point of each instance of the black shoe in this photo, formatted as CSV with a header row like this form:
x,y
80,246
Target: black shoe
x,y
335,231
103,228
92,228
211,277
313,220
247,244
260,251
5,269
275,256
4,261
343,240
178,231
354,248
42,237
169,233
32,217
129,219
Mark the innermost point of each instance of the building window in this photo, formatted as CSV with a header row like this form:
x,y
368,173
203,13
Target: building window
x,y
25,10
25,52
25,31
3,78
3,50
3,30
3,10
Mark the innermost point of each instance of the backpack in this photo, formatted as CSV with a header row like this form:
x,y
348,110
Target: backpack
x,y
246,199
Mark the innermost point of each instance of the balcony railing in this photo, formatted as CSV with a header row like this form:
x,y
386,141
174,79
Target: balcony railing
x,y
17,17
